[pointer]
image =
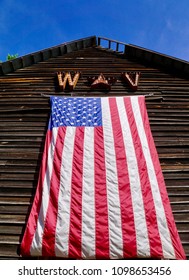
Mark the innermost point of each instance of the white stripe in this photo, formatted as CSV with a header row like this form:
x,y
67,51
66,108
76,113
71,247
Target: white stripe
x,y
63,219
36,246
114,211
167,246
88,203
143,247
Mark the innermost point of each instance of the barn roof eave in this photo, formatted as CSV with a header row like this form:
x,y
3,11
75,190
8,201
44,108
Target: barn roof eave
x,y
143,55
43,55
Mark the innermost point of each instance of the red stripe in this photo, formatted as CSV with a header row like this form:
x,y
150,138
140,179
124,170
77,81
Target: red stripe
x,y
127,216
101,208
48,243
32,221
179,252
151,219
76,196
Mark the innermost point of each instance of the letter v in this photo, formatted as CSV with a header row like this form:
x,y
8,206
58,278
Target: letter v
x,y
132,79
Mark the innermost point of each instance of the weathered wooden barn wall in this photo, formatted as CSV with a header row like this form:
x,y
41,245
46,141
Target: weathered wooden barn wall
x,y
24,115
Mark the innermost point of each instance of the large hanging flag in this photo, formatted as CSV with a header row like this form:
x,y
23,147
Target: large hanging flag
x,y
101,192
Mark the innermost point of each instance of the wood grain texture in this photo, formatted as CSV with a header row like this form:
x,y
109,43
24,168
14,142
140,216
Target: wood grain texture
x,y
24,113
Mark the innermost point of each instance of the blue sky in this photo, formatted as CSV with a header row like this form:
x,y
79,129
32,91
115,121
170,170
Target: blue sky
x,y
159,25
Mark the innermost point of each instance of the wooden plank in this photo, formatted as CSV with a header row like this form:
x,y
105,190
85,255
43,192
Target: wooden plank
x,y
24,116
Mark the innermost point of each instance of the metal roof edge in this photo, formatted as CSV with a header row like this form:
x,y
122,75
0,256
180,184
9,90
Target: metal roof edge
x,y
42,55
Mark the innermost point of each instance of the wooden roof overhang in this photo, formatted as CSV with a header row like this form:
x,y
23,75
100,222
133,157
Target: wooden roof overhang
x,y
145,56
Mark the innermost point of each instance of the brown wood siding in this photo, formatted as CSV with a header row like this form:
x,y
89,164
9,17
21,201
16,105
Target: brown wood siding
x,y
24,116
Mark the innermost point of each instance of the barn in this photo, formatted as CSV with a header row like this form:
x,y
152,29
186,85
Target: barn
x,y
123,70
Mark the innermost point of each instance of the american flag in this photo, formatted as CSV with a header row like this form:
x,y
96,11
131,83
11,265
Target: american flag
x,y
101,192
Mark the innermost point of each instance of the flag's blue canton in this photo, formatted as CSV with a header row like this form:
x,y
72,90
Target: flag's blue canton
x,y
72,111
